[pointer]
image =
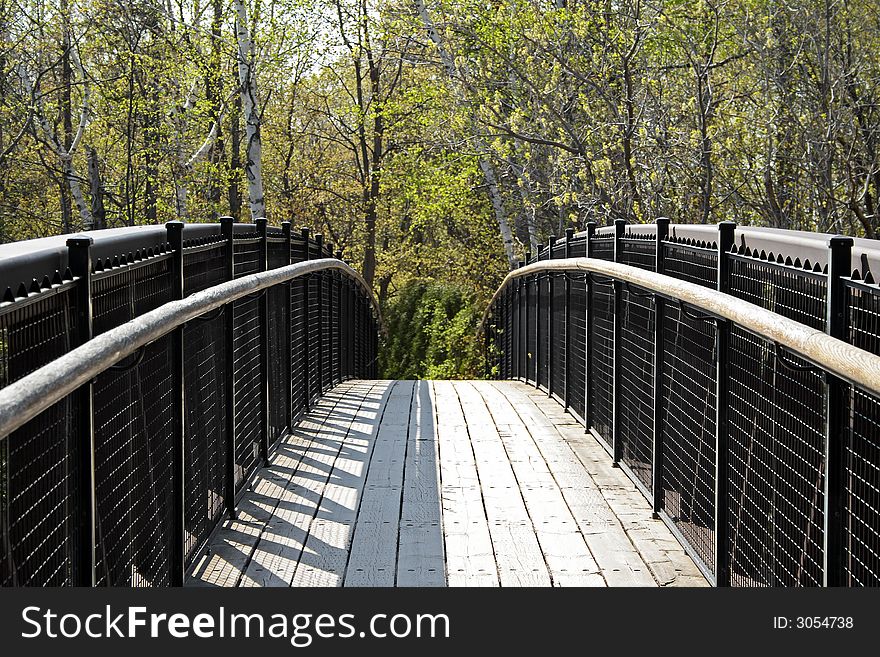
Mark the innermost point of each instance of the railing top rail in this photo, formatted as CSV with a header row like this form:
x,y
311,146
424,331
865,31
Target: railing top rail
x,y
795,243
27,397
833,355
24,260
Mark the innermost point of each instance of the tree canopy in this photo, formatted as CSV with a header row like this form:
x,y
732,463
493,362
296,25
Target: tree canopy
x,y
438,140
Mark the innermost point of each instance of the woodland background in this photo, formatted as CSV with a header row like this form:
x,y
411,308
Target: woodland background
x,y
436,141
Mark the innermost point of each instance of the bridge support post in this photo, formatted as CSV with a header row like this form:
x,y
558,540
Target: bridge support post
x,y
566,395
79,258
518,347
288,329
616,444
588,330
178,412
319,365
537,355
263,311
837,424
528,357
306,311
551,325
226,227
337,278
726,231
659,315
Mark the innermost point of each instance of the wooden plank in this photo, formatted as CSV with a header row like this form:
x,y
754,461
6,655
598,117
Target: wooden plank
x,y
231,547
373,557
622,505
421,559
616,557
470,560
568,558
326,551
280,550
518,554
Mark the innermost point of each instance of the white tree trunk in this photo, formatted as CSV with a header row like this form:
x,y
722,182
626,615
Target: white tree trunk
x,y
65,156
248,89
485,166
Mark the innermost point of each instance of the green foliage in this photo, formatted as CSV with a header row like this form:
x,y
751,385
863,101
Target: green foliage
x,y
432,329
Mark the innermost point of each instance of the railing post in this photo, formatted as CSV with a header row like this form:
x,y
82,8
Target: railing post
x,y
588,330
551,242
319,242
174,231
226,227
79,259
659,314
538,322
619,228
566,395
340,321
726,231
837,424
306,346
519,327
526,328
263,311
288,329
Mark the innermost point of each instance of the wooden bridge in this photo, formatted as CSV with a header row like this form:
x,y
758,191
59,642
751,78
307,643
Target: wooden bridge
x,y
663,406
436,483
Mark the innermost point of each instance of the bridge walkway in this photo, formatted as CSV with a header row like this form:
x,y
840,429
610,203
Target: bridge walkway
x,y
442,483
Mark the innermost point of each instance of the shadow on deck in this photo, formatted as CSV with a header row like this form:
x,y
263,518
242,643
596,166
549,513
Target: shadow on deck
x,y
436,483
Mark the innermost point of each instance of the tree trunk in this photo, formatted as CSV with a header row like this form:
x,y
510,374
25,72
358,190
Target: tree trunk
x,y
96,188
248,89
485,165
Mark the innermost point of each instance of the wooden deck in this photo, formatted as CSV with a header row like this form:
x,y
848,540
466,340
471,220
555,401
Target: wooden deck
x,y
442,483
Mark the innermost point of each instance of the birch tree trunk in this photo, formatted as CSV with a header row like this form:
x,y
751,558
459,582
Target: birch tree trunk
x,y
485,166
248,89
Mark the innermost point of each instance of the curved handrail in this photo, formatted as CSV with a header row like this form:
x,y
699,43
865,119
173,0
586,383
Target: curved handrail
x,y
833,355
27,397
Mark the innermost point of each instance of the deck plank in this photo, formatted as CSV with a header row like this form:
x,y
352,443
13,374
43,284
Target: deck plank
x,y
442,483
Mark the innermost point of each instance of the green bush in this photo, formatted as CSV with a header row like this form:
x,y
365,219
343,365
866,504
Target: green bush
x,y
432,330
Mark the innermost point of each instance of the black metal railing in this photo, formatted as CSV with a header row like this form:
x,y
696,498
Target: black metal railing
x,y
121,481
764,462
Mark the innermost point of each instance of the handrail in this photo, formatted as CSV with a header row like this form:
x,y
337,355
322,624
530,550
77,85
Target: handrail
x,y
27,397
833,355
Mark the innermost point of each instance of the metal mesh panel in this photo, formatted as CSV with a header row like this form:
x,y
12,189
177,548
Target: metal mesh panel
x,y
118,296
602,357
639,251
861,462
205,428
578,247
40,500
636,385
691,263
776,462
577,326
861,503
246,364
558,354
688,405
204,267
314,329
278,362
134,450
297,343
602,248
795,293
529,326
326,333
863,315
543,345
